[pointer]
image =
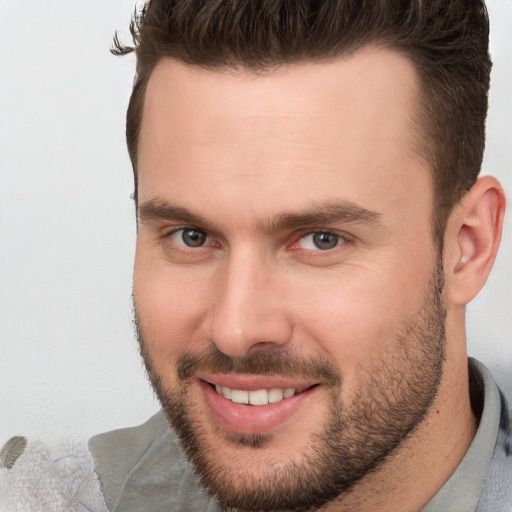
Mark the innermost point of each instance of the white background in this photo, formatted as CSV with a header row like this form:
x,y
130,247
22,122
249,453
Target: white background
x,y
68,358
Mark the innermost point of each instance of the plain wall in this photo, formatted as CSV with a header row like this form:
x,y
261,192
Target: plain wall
x,y
68,357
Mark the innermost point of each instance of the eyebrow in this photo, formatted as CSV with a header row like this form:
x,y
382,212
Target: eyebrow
x,y
325,213
161,211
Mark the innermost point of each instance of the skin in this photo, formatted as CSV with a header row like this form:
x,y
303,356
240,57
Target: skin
x,y
241,151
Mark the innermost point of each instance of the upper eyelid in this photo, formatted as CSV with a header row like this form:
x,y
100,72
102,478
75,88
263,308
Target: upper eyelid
x,y
346,241
167,230
341,234
170,232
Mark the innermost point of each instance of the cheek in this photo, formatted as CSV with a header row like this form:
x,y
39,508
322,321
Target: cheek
x,y
356,320
171,307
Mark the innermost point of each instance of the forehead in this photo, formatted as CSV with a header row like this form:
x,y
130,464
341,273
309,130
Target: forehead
x,y
346,125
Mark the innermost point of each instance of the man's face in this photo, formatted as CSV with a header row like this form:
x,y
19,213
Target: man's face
x,y
285,258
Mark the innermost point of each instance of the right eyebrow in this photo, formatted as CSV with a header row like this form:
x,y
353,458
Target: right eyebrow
x,y
163,211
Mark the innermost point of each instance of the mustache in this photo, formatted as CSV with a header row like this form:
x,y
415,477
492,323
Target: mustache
x,y
267,363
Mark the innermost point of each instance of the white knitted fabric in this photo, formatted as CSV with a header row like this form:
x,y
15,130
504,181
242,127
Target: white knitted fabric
x,y
48,478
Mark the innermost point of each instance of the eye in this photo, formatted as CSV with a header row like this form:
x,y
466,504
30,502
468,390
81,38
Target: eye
x,y
321,240
189,237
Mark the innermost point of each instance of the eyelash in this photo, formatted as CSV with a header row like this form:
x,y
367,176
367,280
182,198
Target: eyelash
x,y
174,232
342,239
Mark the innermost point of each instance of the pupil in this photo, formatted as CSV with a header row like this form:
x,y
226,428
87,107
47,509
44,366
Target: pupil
x,y
193,238
325,241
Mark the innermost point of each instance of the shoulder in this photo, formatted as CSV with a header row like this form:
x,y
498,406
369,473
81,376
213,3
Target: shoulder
x,y
123,448
497,494
143,468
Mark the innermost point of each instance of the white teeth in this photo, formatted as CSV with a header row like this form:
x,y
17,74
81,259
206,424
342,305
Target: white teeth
x,y
257,397
240,397
288,392
226,392
275,395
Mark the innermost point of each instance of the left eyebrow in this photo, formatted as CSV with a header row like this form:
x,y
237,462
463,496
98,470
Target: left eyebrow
x,y
345,212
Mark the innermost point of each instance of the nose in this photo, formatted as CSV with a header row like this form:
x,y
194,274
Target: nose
x,y
248,309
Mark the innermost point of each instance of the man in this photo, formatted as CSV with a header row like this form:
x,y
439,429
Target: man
x,y
310,229
311,226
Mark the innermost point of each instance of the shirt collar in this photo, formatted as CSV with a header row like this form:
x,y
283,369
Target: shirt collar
x,y
463,489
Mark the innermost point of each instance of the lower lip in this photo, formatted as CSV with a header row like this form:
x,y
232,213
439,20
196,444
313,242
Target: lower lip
x,y
252,419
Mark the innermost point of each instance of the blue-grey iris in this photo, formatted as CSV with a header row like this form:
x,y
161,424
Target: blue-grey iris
x,y
325,241
193,237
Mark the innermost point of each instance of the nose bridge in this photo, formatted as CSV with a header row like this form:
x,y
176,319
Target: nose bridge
x,y
245,310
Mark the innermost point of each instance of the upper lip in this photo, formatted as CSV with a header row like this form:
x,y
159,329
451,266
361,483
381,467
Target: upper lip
x,y
254,382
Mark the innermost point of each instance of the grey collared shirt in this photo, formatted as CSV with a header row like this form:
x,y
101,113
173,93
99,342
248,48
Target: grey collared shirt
x,y
463,490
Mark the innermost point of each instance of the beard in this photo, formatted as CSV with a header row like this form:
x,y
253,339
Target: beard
x,y
357,437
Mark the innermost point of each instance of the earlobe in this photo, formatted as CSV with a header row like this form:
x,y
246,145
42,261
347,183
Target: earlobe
x,y
472,240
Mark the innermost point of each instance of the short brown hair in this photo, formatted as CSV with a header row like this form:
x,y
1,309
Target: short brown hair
x,y
446,40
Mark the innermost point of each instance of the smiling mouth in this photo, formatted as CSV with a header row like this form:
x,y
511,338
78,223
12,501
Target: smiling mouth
x,y
250,404
259,396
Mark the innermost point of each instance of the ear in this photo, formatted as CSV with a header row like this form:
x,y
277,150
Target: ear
x,y
472,239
